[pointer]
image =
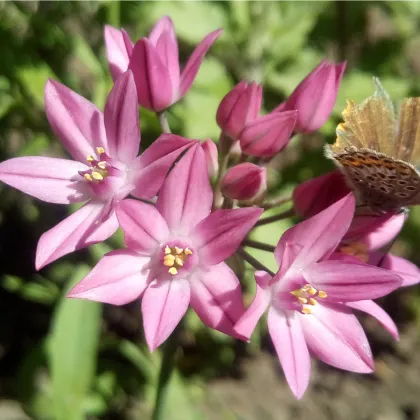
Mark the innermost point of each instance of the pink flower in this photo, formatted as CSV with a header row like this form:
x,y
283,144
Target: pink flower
x,y
315,97
155,63
175,255
239,107
307,298
210,151
244,182
106,167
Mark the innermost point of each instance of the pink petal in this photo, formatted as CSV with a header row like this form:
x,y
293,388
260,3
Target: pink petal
x,y
219,235
318,236
409,272
288,339
211,153
164,304
349,282
150,169
194,62
186,196
248,321
217,299
116,51
153,82
375,231
335,336
371,308
122,119
76,122
49,179
163,37
144,228
85,227
269,134
118,278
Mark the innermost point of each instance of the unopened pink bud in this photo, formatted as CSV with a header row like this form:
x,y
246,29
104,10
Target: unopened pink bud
x,y
244,182
210,151
315,195
239,107
315,97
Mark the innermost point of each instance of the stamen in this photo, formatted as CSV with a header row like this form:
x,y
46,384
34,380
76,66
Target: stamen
x,y
97,176
173,271
167,249
306,310
100,150
312,302
178,250
102,165
169,260
90,158
302,300
322,294
87,177
187,251
179,261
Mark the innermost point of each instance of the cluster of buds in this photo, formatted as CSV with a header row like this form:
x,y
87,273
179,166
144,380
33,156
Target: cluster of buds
x,y
180,228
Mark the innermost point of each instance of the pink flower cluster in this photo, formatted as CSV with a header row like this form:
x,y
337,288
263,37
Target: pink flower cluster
x,y
180,229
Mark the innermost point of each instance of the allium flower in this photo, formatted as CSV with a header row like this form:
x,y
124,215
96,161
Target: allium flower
x,y
106,167
155,63
306,298
244,181
239,107
175,255
315,97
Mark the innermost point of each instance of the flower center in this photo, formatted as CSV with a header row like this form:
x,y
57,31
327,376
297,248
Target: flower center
x,y
100,167
356,249
175,257
307,297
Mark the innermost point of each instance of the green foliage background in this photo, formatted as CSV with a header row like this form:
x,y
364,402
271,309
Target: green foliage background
x,y
67,360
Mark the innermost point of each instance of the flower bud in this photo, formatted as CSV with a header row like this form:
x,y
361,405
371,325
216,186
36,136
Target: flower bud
x,y
316,194
315,96
210,151
245,181
239,107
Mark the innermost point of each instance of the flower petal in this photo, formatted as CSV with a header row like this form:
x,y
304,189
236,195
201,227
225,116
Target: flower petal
x,y
408,271
371,308
164,304
248,321
122,119
186,196
118,278
269,134
154,86
347,282
318,236
287,335
49,179
86,226
335,336
144,228
193,64
217,299
116,50
76,122
150,169
219,235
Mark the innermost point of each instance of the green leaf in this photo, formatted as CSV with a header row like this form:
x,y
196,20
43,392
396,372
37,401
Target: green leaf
x,y
73,344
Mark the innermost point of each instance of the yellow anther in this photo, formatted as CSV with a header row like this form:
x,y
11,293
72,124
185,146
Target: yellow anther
x,y
90,158
311,291
87,177
187,251
167,250
173,271
102,165
306,310
97,176
302,300
312,302
100,150
169,260
178,250
322,294
179,261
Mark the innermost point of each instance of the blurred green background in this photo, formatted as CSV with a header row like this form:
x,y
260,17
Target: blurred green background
x,y
67,360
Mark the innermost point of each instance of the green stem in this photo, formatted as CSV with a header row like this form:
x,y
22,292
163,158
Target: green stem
x,y
258,245
252,261
165,373
114,13
163,121
276,217
276,202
